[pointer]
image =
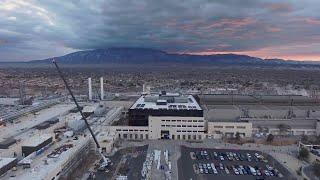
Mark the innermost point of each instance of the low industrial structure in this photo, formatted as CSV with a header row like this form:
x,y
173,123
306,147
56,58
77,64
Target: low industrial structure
x,y
35,143
6,164
163,116
176,116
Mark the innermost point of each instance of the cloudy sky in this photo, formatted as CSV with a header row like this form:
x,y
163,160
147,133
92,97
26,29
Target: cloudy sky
x,y
289,29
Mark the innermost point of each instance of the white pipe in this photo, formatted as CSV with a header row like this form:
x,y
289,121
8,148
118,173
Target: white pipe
x,y
90,89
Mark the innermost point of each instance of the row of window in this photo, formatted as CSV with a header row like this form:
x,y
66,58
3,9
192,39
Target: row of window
x,y
134,136
190,131
231,127
187,137
167,120
182,125
141,130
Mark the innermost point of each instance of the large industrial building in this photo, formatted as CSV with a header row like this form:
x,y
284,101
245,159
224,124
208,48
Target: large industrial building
x,y
261,114
175,116
163,104
164,116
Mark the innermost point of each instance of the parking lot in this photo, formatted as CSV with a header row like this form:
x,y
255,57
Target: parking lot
x,y
200,163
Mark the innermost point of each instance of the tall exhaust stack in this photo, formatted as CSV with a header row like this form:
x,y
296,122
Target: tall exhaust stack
x,y
90,89
101,88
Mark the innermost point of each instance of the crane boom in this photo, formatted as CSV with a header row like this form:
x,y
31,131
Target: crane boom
x,y
81,113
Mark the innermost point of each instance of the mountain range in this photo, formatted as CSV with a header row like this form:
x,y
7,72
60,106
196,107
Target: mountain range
x,y
152,56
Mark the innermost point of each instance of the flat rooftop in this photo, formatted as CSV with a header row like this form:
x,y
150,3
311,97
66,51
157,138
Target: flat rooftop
x,y
238,99
5,161
167,101
36,140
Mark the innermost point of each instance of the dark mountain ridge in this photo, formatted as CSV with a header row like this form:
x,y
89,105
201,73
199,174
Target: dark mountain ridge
x,y
153,56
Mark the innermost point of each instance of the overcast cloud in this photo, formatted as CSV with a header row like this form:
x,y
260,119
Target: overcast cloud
x,y
31,29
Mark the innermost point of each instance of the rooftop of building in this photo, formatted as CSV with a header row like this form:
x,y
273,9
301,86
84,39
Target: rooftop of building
x,y
167,101
37,140
5,161
238,99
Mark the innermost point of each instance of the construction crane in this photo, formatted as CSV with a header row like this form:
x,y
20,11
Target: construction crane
x,y
106,161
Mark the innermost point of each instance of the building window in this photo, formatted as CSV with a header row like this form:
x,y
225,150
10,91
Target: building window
x,y
200,126
179,131
195,121
163,126
194,126
230,127
183,125
178,125
162,120
189,126
167,120
218,126
178,136
241,127
178,120
199,137
173,120
173,125
184,120
189,120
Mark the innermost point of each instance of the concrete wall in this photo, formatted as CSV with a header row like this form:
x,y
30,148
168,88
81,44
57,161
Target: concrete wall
x,y
222,114
184,128
230,128
187,128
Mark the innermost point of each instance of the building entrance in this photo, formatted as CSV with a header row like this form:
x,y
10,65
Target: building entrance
x,y
165,135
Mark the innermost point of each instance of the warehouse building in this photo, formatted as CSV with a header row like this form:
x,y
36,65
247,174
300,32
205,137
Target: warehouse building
x,y
6,164
163,104
6,143
265,114
35,143
175,116
163,116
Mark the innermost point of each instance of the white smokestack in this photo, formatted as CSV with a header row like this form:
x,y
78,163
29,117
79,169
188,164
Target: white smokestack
x,y
90,89
144,89
101,88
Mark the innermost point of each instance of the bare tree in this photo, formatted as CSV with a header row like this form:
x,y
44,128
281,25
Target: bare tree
x,y
283,129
